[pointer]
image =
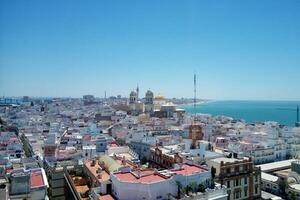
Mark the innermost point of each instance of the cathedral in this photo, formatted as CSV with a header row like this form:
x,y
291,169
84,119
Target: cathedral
x,y
138,107
156,106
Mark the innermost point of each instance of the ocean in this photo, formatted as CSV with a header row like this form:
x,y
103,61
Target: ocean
x,y
283,112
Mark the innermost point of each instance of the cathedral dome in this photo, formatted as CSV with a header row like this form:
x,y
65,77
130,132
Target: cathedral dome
x,y
133,93
149,94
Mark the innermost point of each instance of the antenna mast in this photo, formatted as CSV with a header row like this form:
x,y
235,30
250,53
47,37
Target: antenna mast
x,y
298,114
195,91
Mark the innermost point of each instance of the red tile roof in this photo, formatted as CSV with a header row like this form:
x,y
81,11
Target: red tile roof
x,y
37,179
129,177
187,170
106,197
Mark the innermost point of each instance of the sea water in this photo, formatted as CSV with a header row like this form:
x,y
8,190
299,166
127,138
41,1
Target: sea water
x,y
283,112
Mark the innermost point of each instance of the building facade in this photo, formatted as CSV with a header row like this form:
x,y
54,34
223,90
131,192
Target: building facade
x,y
242,178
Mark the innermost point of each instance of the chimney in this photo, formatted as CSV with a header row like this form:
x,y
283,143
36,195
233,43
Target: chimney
x,y
99,170
123,161
93,163
139,174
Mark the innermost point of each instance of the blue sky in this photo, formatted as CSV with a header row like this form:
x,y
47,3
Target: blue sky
x,y
239,49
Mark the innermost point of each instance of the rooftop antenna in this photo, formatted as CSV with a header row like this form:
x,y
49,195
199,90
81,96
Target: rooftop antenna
x,y
297,124
195,83
195,79
298,114
105,95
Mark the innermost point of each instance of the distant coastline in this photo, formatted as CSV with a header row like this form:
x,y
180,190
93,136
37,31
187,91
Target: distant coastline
x,y
283,112
192,103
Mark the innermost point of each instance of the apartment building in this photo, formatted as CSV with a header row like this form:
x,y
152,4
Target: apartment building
x,y
242,178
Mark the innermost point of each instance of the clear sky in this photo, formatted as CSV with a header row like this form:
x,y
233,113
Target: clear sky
x,y
239,49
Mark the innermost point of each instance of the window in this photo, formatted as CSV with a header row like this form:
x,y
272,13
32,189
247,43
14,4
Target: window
x,y
256,178
245,180
237,182
245,191
256,189
237,194
228,184
228,170
236,169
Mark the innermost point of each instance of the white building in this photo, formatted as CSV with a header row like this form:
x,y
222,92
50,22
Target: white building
x,y
136,185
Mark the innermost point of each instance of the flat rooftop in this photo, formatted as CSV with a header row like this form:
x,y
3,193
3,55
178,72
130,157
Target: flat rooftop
x,y
106,197
227,160
282,173
275,166
131,178
187,170
93,170
37,179
268,177
266,195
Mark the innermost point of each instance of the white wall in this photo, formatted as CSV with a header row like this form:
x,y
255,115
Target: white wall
x,y
139,191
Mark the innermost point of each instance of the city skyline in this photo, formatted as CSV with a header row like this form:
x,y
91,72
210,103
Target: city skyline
x,y
239,50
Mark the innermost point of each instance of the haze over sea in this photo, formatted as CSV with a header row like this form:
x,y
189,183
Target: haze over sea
x,y
283,112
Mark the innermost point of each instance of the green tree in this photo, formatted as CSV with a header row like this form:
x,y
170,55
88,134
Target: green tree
x,y
193,186
188,189
201,188
293,196
213,172
212,184
179,188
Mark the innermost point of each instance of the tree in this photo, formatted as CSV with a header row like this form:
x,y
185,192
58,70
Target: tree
x,y
213,172
193,186
212,184
201,188
188,189
179,188
293,195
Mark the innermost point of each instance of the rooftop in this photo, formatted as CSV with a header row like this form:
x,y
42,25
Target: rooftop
x,y
187,170
269,177
37,179
227,160
266,195
274,166
131,178
93,170
106,197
